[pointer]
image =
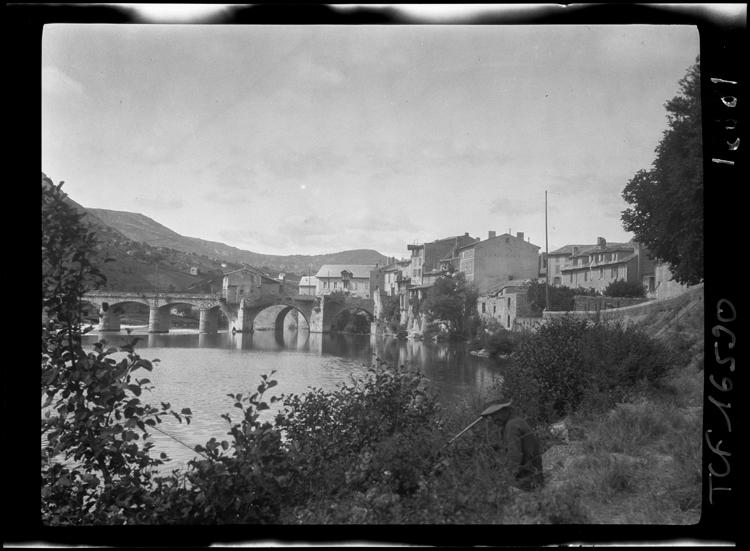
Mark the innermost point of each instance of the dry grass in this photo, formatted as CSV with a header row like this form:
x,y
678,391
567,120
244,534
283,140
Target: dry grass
x,y
641,463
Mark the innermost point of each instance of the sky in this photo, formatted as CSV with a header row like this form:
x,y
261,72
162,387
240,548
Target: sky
x,y
318,139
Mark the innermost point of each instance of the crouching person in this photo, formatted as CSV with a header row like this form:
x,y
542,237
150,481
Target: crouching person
x,y
520,444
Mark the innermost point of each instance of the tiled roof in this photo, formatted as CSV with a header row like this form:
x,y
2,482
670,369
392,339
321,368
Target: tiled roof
x,y
334,270
600,264
589,249
505,284
568,249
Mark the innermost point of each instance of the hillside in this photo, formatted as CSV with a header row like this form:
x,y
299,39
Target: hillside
x,y
143,229
147,256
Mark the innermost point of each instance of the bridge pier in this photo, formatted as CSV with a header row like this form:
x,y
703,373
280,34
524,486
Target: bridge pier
x,y
108,320
209,320
158,319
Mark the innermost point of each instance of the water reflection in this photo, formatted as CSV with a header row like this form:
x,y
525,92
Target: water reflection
x,y
199,370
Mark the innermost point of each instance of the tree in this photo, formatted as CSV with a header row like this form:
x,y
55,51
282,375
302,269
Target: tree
x,y
667,201
452,299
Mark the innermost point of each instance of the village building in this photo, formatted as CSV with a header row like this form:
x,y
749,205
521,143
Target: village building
x,y
251,284
597,267
308,285
429,257
664,284
497,259
560,258
390,280
352,279
508,303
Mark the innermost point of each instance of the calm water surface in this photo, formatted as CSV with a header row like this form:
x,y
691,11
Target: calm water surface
x,y
198,371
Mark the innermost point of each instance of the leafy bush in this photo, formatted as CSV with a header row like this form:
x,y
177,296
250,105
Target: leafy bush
x,y
247,480
338,433
93,468
570,363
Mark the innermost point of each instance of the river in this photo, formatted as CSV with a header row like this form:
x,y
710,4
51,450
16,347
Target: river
x,y
199,370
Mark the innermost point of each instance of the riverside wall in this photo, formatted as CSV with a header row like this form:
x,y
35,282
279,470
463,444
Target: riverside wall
x,y
634,313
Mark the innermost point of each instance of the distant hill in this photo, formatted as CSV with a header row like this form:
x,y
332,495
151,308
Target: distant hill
x,y
143,229
149,256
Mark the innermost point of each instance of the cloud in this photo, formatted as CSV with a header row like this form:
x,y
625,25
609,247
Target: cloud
x,y
57,83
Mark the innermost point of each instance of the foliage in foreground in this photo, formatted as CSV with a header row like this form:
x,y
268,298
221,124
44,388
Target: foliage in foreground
x,y
569,363
92,415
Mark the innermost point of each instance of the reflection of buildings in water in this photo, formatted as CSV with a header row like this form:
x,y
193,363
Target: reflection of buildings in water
x,y
242,341
315,343
302,340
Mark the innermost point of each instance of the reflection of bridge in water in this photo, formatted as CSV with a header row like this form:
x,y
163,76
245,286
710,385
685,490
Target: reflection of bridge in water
x,y
318,311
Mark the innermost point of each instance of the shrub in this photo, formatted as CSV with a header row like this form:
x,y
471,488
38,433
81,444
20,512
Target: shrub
x,y
570,363
545,377
92,413
243,481
338,433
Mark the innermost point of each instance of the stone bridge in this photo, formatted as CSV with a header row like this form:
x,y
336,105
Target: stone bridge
x,y
319,311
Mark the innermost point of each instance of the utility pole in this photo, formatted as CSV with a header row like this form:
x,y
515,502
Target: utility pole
x,y
546,253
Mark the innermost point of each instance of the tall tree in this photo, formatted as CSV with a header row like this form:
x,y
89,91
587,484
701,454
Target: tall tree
x,y
667,201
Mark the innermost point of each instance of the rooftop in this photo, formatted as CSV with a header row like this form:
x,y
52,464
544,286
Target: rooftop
x,y
334,270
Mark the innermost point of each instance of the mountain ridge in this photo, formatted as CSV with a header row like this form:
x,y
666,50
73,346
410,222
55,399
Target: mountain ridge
x,y
141,228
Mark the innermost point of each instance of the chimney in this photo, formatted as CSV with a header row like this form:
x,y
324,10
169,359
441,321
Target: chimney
x,y
478,239
491,235
601,242
520,235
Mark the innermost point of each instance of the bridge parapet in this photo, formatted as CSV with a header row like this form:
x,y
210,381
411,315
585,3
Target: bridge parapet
x,y
159,305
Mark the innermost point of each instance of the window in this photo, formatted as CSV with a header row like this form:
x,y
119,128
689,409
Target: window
x,y
571,278
325,285
509,303
601,273
557,268
335,284
484,307
494,308
585,276
508,322
613,274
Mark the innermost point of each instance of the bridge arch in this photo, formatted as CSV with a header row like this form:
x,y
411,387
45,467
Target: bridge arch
x,y
160,307
334,308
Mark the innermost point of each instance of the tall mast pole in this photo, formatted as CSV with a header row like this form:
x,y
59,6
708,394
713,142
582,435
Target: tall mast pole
x,y
546,255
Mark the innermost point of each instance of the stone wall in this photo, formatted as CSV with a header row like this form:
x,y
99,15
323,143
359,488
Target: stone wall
x,y
632,314
586,303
